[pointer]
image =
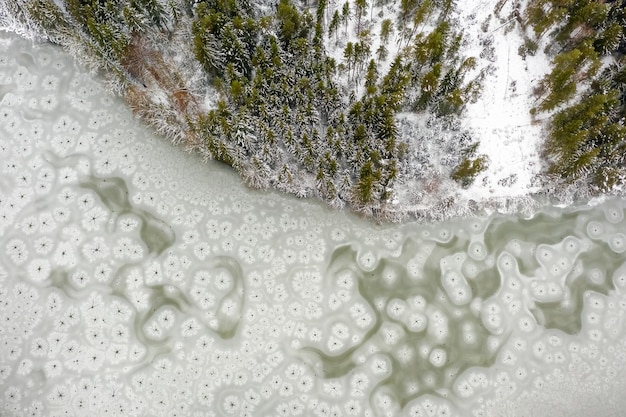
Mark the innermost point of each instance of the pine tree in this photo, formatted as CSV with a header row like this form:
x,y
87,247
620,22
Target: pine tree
x,y
155,11
468,169
361,5
289,21
609,39
394,84
429,85
388,133
579,164
371,78
422,13
364,193
562,80
542,15
133,19
349,56
407,7
345,15
386,29
382,52
581,12
236,52
333,28
51,20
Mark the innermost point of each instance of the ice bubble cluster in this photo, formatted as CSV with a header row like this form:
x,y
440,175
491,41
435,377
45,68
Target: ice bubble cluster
x,y
136,280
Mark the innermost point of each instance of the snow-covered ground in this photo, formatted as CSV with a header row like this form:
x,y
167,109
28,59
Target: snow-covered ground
x,y
501,117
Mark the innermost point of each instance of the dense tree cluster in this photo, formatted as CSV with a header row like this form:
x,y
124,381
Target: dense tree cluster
x,y
587,133
282,115
103,30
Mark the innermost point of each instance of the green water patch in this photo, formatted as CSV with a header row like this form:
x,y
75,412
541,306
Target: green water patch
x,y
427,339
155,233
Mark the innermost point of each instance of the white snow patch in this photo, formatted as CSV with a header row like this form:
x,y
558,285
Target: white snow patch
x,y
501,117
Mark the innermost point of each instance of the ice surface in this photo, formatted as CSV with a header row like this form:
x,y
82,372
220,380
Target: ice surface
x,y
137,280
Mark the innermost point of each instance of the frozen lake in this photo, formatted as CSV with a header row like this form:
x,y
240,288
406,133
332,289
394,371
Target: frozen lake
x,y
136,280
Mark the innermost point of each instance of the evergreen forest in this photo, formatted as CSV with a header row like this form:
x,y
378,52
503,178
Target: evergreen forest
x,y
585,92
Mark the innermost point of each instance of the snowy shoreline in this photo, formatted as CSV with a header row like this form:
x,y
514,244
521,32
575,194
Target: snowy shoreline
x,y
498,122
